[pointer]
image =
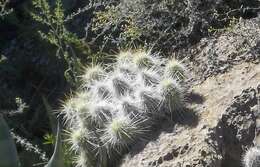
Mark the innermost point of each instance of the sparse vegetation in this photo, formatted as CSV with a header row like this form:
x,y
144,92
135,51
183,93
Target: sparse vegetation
x,y
58,35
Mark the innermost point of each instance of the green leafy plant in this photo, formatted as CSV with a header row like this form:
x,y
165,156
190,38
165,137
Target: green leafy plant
x,y
56,33
49,139
111,16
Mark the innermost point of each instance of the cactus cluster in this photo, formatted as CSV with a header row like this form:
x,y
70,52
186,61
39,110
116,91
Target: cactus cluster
x,y
252,157
115,107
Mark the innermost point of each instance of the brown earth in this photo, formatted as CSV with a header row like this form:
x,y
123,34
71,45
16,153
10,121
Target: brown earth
x,y
225,122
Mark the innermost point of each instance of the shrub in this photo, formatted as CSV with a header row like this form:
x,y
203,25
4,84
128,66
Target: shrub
x,y
54,30
166,25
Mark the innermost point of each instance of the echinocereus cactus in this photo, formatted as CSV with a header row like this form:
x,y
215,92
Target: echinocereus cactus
x,y
252,157
143,59
172,95
175,69
92,73
115,108
122,130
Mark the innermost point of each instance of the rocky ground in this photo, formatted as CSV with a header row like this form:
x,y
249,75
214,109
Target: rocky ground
x,y
224,98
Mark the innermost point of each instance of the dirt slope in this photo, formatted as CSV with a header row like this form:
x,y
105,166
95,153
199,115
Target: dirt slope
x,y
225,103
219,90
200,145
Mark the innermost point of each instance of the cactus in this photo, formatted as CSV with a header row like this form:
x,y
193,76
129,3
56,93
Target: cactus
x,y
142,59
175,69
92,73
122,130
172,95
115,108
252,157
149,76
102,90
124,57
150,102
120,85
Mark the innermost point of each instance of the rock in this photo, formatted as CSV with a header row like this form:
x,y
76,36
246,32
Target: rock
x,y
216,55
238,124
256,110
202,146
180,150
173,25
